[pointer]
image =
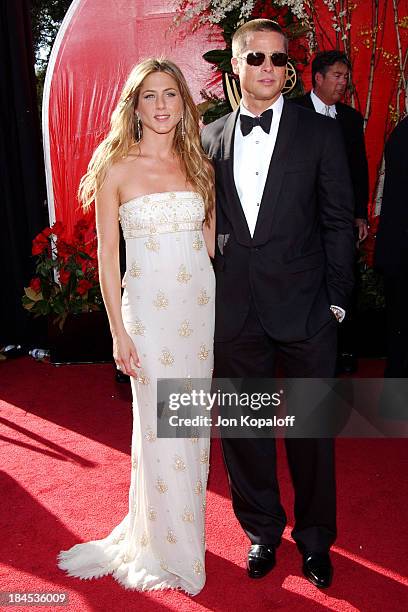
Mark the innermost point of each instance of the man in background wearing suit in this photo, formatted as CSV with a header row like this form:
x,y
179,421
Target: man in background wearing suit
x,y
391,254
330,74
284,269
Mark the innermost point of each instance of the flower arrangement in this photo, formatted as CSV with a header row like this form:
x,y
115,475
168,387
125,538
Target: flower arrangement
x,y
66,279
216,11
229,16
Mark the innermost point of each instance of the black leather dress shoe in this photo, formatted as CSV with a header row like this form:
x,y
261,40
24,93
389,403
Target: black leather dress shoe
x,y
318,569
261,559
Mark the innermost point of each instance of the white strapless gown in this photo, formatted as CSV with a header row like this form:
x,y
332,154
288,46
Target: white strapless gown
x,y
168,309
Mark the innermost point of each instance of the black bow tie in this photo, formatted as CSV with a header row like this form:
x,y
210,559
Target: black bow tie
x,y
264,120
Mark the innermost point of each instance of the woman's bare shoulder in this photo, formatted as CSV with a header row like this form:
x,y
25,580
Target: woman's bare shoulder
x,y
121,165
118,170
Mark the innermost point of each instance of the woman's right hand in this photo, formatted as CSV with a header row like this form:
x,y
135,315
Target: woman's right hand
x,y
125,354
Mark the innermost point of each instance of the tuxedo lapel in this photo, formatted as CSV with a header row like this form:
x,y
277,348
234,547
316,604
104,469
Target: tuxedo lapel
x,y
280,157
227,142
231,203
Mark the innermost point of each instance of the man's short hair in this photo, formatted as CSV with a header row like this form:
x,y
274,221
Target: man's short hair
x,y
240,37
325,59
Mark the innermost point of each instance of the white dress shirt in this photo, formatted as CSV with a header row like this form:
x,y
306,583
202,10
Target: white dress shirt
x,y
252,157
321,107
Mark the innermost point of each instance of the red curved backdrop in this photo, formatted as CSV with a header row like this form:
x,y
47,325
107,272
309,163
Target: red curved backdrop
x,y
100,40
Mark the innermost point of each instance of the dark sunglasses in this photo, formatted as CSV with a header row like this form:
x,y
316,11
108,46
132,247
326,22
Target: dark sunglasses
x,y
257,58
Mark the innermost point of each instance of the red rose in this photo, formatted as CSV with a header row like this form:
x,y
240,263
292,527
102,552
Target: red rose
x,y
40,236
85,264
93,253
81,225
282,20
57,228
284,12
298,51
64,249
35,284
64,276
84,230
40,243
37,248
90,236
83,286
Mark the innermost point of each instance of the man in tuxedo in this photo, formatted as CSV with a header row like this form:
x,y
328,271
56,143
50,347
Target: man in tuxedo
x,y
391,254
330,74
283,261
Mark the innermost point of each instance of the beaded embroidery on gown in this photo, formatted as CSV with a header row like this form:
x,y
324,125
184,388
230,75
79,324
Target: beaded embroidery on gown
x,y
168,310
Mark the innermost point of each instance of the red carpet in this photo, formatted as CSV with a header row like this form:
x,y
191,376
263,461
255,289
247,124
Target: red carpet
x,y
65,441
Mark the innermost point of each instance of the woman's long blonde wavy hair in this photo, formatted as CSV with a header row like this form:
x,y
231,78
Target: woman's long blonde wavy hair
x,y
122,136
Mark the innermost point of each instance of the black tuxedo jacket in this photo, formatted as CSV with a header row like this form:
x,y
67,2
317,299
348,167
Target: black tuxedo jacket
x,y
391,254
352,127
300,259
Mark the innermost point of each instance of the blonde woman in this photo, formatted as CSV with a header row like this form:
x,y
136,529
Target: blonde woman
x,y
151,173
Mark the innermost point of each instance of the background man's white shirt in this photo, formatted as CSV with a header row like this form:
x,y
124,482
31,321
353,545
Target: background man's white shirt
x,y
321,107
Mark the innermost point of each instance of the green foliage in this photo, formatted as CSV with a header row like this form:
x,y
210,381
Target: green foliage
x,y
221,58
46,18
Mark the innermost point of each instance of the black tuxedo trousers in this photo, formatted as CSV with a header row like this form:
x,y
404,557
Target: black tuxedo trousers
x,y
251,462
